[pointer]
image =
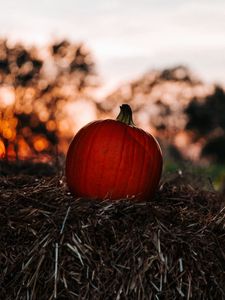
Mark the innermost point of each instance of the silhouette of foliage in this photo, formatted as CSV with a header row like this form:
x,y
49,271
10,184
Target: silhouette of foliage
x,y
18,66
160,96
207,118
40,87
176,106
215,149
178,73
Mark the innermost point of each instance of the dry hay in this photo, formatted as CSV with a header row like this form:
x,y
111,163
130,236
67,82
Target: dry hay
x,y
56,247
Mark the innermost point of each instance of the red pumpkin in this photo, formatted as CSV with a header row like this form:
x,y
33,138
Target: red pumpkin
x,y
114,159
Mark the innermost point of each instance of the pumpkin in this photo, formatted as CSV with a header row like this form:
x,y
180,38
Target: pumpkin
x,y
113,159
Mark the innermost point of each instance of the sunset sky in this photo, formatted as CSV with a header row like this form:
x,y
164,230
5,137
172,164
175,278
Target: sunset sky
x,y
127,37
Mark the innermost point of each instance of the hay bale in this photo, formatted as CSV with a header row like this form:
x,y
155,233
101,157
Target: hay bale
x,y
56,247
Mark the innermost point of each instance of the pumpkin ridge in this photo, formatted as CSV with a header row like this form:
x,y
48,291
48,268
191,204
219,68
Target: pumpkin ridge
x,y
142,178
155,175
104,158
144,145
157,179
132,170
85,169
121,158
71,159
148,151
151,171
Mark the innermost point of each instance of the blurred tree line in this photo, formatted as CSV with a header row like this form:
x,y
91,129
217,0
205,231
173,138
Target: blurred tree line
x,y
207,119
187,115
35,88
39,88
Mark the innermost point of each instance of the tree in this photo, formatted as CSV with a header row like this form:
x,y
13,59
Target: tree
x,y
41,86
207,119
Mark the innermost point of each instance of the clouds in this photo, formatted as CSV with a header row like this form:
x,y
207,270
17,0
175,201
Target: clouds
x,y
128,36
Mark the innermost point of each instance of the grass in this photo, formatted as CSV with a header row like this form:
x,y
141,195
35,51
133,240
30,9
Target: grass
x,y
215,172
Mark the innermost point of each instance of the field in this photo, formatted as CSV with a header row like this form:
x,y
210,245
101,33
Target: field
x,y
55,246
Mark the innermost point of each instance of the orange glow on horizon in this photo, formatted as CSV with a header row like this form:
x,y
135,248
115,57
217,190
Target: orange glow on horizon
x,y
11,153
40,143
24,151
2,149
45,99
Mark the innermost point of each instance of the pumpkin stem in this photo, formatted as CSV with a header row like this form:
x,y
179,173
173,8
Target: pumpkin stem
x,y
125,115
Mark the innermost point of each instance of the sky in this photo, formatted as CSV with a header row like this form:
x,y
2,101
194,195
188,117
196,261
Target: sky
x,y
127,37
